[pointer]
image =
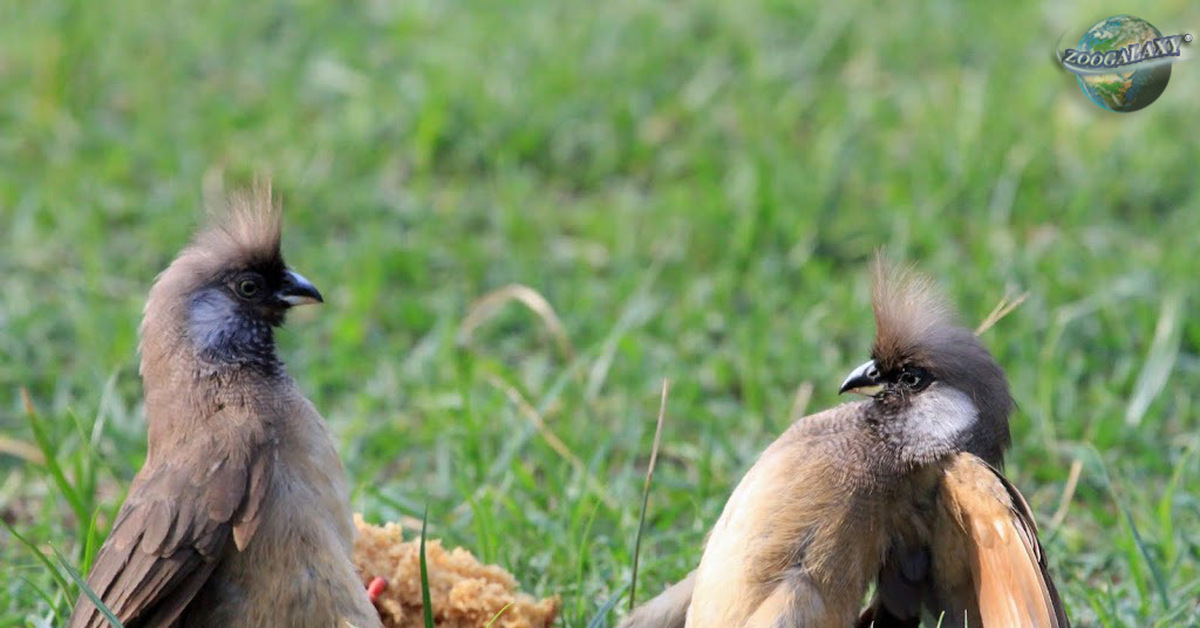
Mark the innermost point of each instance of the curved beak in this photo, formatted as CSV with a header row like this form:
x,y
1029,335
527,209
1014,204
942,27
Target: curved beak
x,y
863,380
296,290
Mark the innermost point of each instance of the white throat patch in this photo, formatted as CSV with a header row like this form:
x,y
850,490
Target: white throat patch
x,y
935,423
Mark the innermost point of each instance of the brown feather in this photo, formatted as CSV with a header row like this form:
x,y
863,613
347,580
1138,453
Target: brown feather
x,y
909,312
168,535
985,516
850,496
803,534
234,452
915,326
248,228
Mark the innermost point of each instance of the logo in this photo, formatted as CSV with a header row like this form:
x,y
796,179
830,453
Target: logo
x,y
1123,63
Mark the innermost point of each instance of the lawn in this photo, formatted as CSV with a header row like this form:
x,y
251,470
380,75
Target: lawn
x,y
694,190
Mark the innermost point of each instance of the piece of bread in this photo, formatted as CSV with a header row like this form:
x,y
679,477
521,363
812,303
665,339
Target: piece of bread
x,y
464,593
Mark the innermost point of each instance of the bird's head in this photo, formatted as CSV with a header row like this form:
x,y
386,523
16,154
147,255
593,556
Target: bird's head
x,y
225,292
934,388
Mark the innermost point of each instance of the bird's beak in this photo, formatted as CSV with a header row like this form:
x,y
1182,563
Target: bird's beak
x,y
863,380
297,290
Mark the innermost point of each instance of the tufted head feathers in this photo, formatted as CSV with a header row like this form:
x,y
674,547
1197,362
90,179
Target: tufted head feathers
x,y
221,297
943,389
911,316
247,231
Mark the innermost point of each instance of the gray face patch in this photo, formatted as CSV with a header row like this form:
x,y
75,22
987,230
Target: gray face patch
x,y
223,331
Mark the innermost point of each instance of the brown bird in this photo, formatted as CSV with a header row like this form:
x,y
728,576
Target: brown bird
x,y
901,490
240,515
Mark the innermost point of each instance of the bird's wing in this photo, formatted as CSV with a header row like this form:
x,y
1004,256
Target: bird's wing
x,y
1024,515
1011,582
667,610
172,530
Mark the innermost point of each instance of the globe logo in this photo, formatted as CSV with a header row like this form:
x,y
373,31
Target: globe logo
x,y
1123,63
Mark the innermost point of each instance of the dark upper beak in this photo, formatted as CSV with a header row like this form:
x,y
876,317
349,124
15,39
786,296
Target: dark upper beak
x,y
296,290
863,380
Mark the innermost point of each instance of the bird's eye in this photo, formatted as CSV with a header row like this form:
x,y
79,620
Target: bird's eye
x,y
913,378
247,287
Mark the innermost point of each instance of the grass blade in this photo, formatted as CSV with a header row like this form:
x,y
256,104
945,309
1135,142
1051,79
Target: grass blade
x,y
426,602
1167,502
1160,360
585,541
600,619
489,304
637,541
104,610
1003,308
91,544
1155,571
1143,549
41,556
39,591
46,444
498,614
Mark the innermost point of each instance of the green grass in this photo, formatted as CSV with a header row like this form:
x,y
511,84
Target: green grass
x,y
694,188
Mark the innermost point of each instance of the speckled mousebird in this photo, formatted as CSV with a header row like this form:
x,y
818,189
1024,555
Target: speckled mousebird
x,y
240,515
902,490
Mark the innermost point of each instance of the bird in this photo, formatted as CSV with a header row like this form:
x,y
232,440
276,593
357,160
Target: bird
x,y
902,490
240,515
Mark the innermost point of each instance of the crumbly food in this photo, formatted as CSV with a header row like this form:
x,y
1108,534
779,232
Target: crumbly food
x,y
464,592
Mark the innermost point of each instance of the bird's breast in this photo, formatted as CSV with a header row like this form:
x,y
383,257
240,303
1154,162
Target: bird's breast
x,y
813,512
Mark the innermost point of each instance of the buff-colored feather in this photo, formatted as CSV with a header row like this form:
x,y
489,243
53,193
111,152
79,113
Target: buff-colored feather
x,y
909,310
1009,582
250,226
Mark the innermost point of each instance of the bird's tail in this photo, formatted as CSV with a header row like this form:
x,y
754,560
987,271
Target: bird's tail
x,y
668,610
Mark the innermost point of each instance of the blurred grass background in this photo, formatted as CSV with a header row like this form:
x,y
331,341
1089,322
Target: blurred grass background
x,y
694,188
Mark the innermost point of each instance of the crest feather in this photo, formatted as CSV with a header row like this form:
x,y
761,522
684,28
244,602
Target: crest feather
x,y
910,311
248,229
245,233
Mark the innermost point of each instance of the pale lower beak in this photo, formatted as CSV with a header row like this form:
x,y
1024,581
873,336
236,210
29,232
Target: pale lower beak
x,y
297,290
863,380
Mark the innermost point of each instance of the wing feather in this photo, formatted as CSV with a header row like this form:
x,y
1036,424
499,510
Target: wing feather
x,y
1011,583
171,531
